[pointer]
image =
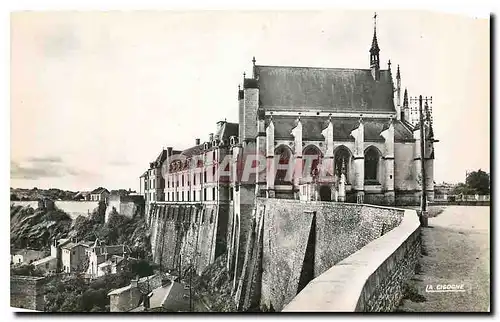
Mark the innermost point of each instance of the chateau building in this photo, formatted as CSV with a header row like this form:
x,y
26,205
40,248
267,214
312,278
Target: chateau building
x,y
344,121
330,134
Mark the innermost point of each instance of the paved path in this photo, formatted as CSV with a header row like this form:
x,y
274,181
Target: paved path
x,y
456,250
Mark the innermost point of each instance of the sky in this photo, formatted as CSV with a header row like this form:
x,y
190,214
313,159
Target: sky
x,y
95,96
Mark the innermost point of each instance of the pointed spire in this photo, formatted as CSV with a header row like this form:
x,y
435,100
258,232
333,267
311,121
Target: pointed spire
x,y
405,98
374,53
374,48
253,67
389,64
398,74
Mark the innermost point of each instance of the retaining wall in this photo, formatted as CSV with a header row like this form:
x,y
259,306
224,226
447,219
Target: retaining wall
x,y
371,279
184,234
294,241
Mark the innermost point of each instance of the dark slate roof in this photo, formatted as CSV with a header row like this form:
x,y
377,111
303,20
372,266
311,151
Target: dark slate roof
x,y
72,245
312,126
230,129
99,190
325,89
195,150
226,130
161,157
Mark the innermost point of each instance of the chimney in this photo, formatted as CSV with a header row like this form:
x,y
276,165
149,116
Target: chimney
x,y
210,137
197,141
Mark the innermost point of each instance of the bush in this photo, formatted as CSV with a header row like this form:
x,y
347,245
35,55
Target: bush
x,y
26,270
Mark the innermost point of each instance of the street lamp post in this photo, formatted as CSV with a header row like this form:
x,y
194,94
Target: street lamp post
x,y
423,199
423,204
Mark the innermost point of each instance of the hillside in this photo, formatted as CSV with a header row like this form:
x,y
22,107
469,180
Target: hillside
x,y
35,194
35,229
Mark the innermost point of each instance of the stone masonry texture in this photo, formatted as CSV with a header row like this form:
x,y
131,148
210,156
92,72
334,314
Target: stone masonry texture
x,y
384,288
27,292
186,234
281,232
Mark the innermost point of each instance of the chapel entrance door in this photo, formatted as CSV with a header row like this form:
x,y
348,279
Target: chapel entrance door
x,y
325,193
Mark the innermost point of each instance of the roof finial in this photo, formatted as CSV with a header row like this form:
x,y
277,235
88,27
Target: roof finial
x,y
389,64
405,98
253,60
398,75
239,88
244,74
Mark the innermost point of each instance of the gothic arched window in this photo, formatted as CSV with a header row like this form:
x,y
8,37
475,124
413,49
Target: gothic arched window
x,y
371,165
315,155
284,155
342,158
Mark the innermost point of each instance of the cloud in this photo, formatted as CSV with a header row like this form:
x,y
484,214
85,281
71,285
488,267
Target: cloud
x,y
62,42
45,159
120,163
46,167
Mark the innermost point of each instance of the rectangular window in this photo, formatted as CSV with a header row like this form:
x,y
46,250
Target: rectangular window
x,y
205,194
194,179
230,193
194,195
213,174
177,196
205,176
168,183
213,194
188,197
182,180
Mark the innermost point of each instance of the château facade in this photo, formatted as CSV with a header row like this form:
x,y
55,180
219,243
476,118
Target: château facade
x,y
330,134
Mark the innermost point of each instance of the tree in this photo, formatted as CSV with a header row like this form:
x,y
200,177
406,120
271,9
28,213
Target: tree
x,y
479,181
463,189
26,270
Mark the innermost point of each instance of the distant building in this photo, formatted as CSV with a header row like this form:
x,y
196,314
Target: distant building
x,y
99,254
443,190
82,196
129,205
148,293
128,297
47,264
72,257
26,256
99,194
114,265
